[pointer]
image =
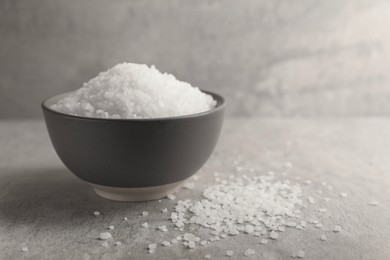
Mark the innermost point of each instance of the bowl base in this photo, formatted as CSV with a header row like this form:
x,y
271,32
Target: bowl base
x,y
136,194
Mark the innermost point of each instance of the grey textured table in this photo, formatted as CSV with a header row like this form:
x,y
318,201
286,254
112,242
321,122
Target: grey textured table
x,y
47,209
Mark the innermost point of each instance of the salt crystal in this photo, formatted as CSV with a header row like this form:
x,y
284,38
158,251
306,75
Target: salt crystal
x,y
281,228
273,235
163,228
249,252
373,203
323,238
166,243
164,210
145,213
337,228
249,229
96,213
189,185
319,225
105,236
125,218
263,241
131,90
111,227
322,210
343,195
191,244
145,225
24,249
152,246
173,241
207,256
118,243
229,253
203,242
307,182
171,196
291,224
301,254
311,200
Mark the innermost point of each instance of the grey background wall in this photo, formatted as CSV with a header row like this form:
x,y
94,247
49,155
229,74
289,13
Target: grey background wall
x,y
270,58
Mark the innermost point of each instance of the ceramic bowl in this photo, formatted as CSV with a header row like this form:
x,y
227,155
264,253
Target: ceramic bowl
x,y
134,159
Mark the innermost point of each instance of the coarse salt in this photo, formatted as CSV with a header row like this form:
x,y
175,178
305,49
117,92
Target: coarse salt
x,y
134,91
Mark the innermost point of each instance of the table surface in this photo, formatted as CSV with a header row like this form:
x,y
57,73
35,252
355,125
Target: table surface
x,y
45,208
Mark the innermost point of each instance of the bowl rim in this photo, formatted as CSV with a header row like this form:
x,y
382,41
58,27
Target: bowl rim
x,y
221,103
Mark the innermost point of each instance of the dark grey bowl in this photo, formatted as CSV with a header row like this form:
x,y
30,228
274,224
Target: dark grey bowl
x,y
134,159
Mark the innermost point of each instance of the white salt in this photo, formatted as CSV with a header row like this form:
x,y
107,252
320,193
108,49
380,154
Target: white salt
x,y
145,225
118,243
24,249
131,90
229,253
373,203
337,228
96,213
249,252
166,243
301,254
105,236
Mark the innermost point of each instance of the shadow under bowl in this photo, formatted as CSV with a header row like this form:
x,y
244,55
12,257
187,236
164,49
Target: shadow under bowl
x,y
134,159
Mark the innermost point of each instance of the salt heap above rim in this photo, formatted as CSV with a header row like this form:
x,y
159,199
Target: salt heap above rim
x,y
135,91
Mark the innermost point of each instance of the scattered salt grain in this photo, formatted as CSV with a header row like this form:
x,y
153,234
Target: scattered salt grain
x,y
203,242
189,185
319,225
343,195
323,238
273,235
152,248
173,241
207,256
145,225
301,254
307,182
166,243
373,203
111,227
145,213
291,224
24,249
118,243
96,213
322,210
171,196
249,252
163,228
337,228
131,90
263,241
191,244
229,253
125,218
249,229
105,236
164,210
311,200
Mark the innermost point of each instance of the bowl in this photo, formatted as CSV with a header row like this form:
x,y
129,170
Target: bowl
x,y
134,159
